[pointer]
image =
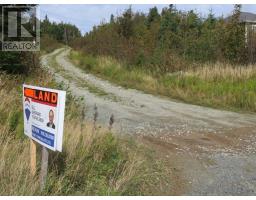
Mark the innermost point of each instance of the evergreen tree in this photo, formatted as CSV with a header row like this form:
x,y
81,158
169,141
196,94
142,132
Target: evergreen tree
x,y
235,47
152,16
112,19
125,24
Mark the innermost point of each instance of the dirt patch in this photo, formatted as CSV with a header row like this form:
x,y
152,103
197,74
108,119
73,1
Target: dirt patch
x,y
178,152
166,152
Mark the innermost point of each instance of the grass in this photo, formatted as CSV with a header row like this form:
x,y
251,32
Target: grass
x,y
93,161
216,85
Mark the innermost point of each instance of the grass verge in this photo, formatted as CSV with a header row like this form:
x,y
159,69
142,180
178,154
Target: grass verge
x,y
215,85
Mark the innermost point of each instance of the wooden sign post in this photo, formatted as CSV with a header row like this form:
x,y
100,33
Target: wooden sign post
x,y
33,157
44,167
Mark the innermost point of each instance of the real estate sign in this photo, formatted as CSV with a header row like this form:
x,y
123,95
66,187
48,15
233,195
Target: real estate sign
x,y
44,115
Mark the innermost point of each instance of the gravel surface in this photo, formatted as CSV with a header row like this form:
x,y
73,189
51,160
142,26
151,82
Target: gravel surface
x,y
213,149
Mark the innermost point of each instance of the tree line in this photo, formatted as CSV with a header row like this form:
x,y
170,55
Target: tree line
x,y
167,41
62,32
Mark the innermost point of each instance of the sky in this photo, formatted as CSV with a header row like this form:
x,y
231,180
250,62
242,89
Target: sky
x,y
85,16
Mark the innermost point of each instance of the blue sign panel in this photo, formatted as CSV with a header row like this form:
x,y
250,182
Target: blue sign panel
x,y
43,136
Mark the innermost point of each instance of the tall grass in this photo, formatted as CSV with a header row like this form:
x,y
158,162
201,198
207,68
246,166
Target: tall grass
x,y
223,71
216,85
93,162
219,85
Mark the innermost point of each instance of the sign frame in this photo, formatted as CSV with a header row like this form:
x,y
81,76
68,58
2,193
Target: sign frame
x,y
32,125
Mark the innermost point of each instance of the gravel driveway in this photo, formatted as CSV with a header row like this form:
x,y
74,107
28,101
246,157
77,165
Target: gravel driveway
x,y
208,151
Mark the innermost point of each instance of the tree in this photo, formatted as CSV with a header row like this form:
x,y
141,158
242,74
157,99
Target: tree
x,y
152,16
168,37
125,24
235,47
112,19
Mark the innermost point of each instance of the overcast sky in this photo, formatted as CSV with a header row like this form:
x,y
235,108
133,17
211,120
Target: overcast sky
x,y
86,16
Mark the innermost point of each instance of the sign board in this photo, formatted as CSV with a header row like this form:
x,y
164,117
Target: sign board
x,y
44,115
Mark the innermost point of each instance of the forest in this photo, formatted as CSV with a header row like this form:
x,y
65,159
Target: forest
x,y
168,41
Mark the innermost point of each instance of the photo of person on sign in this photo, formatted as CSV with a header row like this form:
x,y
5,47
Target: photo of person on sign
x,y
51,118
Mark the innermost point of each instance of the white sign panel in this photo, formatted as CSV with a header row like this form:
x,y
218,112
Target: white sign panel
x,y
44,115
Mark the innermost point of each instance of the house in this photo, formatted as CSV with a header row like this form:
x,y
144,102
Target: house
x,y
249,21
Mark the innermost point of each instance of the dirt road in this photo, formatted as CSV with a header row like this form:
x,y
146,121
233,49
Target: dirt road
x,y
208,151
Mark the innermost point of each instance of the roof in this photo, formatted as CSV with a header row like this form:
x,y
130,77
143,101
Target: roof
x,y
245,17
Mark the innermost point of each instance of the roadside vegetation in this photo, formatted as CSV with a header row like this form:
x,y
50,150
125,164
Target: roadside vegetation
x,y
215,85
94,161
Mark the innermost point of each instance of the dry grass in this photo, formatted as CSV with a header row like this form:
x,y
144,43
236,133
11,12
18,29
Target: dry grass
x,y
217,85
222,71
93,162
15,178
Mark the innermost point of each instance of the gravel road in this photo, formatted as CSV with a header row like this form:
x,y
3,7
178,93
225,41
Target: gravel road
x,y
208,151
